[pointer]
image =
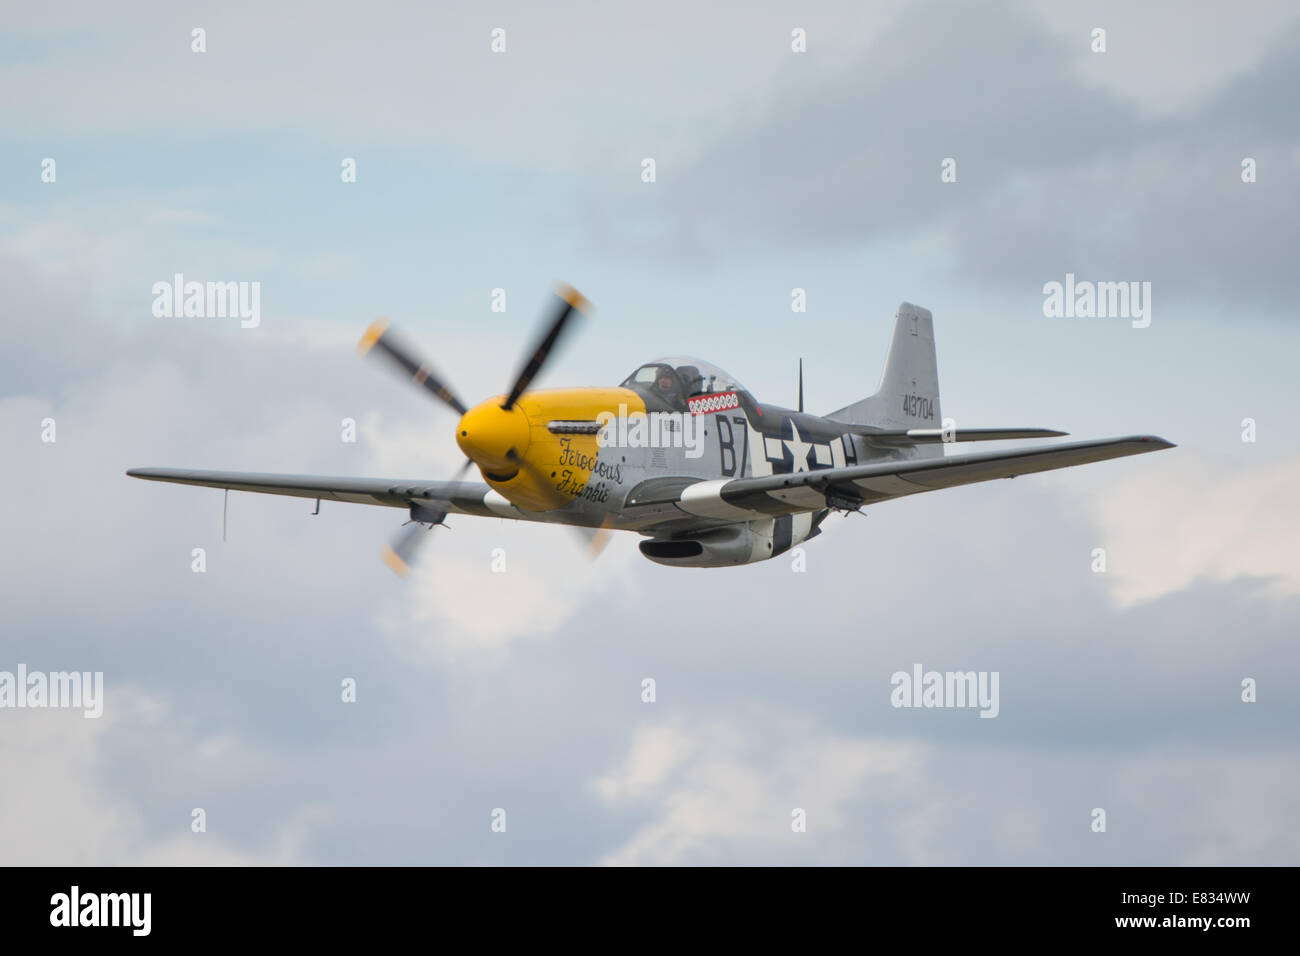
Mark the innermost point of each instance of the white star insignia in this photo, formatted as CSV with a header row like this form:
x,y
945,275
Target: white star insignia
x,y
798,448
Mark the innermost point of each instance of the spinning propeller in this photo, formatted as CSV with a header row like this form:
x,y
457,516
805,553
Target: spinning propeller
x,y
490,435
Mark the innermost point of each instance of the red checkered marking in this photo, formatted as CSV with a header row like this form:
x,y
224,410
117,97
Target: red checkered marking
x,y
717,402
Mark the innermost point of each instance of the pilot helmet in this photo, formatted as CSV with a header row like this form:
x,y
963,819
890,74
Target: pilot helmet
x,y
691,377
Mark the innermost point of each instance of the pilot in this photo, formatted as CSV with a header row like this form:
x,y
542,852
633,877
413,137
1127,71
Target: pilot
x,y
691,377
666,384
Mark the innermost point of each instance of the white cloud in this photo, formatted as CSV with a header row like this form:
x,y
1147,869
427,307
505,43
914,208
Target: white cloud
x,y
713,790
58,810
463,611
1191,516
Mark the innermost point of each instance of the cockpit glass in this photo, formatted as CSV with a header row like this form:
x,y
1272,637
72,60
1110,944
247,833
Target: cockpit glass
x,y
684,375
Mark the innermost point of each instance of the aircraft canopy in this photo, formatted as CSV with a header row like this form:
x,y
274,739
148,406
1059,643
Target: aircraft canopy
x,y
690,376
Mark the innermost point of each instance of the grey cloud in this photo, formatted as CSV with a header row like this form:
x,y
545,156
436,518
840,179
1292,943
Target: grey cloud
x,y
1054,175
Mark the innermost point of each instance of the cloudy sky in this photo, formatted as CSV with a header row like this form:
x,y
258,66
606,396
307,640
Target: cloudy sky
x,y
522,690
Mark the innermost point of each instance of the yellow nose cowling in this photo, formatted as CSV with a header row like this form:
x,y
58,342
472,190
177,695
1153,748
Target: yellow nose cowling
x,y
487,434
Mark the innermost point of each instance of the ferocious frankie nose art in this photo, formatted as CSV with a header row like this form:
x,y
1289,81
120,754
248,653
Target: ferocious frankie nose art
x,y
681,453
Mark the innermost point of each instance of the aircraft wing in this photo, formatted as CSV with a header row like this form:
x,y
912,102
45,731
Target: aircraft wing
x,y
463,496
740,499
933,436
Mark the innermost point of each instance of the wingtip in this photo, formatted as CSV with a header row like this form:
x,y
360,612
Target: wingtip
x,y
1148,442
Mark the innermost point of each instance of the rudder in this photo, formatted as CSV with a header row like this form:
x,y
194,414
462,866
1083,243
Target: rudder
x,y
908,396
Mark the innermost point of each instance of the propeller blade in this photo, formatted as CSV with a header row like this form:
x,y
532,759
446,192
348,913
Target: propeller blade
x,y
598,539
595,540
571,300
380,338
400,552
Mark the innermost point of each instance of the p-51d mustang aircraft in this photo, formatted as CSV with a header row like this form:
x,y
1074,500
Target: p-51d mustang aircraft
x,y
682,453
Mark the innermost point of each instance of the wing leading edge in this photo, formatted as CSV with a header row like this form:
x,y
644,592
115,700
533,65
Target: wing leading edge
x,y
464,496
740,499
